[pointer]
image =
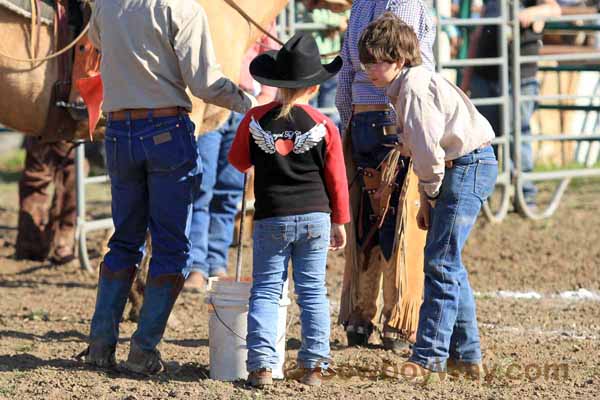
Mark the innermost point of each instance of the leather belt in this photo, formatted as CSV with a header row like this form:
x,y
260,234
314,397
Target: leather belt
x,y
450,163
361,108
143,113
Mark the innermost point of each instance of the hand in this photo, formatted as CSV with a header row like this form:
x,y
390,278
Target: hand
x,y
343,25
337,240
526,17
424,214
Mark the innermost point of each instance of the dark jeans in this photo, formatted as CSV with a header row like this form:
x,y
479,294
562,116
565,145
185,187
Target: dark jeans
x,y
154,171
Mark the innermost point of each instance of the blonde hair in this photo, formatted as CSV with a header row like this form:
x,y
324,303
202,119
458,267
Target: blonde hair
x,y
288,97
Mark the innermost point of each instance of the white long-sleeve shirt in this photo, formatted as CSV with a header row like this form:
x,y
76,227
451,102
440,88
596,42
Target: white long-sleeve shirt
x,y
437,122
152,50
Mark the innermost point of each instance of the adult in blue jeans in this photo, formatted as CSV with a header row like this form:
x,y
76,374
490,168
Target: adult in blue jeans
x,y
219,194
152,160
484,81
215,206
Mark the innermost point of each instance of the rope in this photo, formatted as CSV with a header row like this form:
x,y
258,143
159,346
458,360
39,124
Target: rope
x,y
34,17
243,338
251,21
52,55
388,175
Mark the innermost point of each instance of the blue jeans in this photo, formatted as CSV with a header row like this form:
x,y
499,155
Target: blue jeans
x,y
481,88
326,99
304,239
154,172
447,319
216,206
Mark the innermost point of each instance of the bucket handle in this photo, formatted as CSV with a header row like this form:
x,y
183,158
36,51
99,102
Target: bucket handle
x,y
235,333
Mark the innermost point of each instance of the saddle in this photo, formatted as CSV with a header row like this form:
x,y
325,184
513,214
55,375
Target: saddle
x,y
83,60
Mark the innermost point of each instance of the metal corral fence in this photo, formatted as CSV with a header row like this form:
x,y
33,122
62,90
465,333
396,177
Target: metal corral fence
x,y
511,180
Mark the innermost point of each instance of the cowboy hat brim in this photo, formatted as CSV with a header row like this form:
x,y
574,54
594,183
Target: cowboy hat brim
x,y
263,69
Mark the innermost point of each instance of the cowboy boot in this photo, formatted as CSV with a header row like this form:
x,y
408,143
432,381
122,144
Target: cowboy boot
x,y
159,297
260,378
113,288
392,339
358,332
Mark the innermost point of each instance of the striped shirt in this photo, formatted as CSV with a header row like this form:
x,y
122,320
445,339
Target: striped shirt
x,y
354,87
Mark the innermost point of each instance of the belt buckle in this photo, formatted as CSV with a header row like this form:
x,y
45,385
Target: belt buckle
x,y
390,130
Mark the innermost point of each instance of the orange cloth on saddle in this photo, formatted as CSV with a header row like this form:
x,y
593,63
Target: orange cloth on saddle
x,y
91,91
86,75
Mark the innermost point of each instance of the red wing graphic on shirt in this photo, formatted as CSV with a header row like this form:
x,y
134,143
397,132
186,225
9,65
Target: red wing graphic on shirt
x,y
282,143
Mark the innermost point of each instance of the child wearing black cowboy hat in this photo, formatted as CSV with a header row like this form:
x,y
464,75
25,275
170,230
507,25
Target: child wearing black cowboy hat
x,y
301,204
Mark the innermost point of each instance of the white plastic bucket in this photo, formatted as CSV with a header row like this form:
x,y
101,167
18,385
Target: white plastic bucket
x,y
227,327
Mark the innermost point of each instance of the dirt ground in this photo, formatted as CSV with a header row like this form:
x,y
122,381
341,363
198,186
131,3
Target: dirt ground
x,y
533,348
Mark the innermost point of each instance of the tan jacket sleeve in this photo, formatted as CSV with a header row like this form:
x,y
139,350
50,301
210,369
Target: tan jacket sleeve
x,y
201,72
424,126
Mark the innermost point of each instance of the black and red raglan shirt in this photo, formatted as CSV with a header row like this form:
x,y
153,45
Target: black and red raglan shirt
x,y
298,162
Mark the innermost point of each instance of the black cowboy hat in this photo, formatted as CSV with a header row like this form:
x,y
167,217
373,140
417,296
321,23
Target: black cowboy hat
x,y
296,65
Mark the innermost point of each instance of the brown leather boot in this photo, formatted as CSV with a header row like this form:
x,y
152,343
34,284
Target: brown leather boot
x,y
312,376
195,283
459,369
393,340
63,252
260,378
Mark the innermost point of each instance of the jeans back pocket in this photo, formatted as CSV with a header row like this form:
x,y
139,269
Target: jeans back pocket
x,y
318,234
167,150
486,172
270,237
